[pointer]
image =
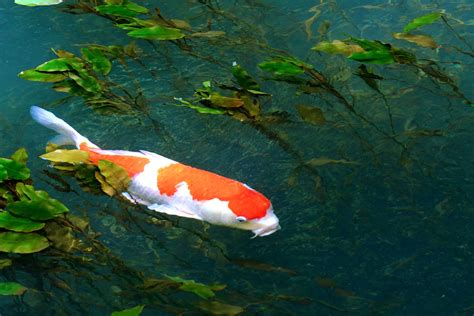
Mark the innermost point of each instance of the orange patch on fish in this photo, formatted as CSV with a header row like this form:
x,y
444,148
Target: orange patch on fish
x,y
205,186
132,164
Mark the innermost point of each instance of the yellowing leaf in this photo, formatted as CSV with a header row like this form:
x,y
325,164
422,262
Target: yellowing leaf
x,y
420,40
73,156
208,34
338,47
113,178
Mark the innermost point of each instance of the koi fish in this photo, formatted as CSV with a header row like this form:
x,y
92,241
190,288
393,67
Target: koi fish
x,y
173,188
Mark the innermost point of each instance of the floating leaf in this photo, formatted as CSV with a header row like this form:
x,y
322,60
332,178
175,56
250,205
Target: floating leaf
x,y
33,75
317,162
134,311
311,115
157,33
99,62
337,47
5,263
199,289
208,34
422,20
73,156
20,156
11,288
18,224
36,205
22,243
34,3
218,308
114,177
420,40
14,170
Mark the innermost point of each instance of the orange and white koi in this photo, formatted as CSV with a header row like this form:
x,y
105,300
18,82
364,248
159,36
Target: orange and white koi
x,y
173,188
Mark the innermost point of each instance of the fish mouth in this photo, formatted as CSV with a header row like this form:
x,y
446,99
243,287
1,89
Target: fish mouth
x,y
265,231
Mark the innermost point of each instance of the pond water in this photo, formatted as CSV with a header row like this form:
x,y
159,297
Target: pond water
x,y
372,180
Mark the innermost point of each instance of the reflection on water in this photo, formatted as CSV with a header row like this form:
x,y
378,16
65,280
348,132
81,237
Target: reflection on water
x,y
369,168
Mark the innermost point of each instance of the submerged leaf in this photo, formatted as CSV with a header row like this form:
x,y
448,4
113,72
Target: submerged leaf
x,y
117,10
422,20
22,243
317,162
14,170
338,47
134,311
157,33
61,236
199,289
33,75
18,224
4,263
198,108
420,40
73,156
311,114
218,308
281,68
36,205
20,156
208,34
11,288
114,178
244,79
225,102
99,62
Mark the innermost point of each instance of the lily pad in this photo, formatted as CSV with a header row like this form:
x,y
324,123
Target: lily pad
x,y
157,33
11,288
22,243
18,224
134,311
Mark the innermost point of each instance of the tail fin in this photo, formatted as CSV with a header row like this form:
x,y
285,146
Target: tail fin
x,y
67,134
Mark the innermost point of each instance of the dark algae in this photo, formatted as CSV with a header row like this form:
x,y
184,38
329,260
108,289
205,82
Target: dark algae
x,y
354,118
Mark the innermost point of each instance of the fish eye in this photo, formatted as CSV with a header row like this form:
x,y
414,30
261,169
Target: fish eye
x,y
241,219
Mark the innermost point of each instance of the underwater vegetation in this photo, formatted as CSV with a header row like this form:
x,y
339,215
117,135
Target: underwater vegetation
x,y
360,130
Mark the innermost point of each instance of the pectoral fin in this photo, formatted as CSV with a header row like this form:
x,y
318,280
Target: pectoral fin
x,y
163,208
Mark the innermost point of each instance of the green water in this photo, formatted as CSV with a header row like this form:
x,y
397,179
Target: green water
x,y
384,227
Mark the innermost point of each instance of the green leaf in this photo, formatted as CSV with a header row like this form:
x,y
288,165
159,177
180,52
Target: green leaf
x,y
87,82
134,311
18,224
117,10
15,170
157,33
11,288
20,156
281,68
116,2
217,308
225,102
5,263
135,7
22,243
337,47
3,173
36,205
114,178
73,156
244,79
55,65
199,289
99,62
33,75
373,57
422,20
198,108
311,114
33,3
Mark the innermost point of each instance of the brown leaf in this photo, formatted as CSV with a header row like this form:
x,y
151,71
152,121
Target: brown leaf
x,y
418,39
